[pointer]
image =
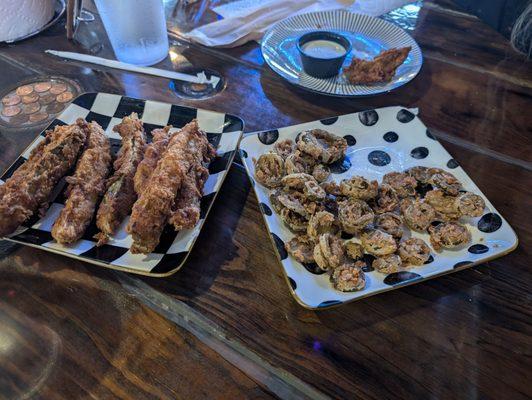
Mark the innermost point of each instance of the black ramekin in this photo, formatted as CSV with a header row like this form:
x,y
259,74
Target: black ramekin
x,y
322,67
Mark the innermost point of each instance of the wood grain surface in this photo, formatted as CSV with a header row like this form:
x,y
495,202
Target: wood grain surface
x,y
226,326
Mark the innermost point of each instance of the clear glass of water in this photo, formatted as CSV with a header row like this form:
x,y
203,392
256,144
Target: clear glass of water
x,y
136,29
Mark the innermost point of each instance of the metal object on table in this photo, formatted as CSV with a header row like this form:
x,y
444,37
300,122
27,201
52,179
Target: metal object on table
x,y
59,10
36,102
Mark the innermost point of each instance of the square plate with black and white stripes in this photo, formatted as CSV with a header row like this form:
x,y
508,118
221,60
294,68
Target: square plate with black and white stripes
x,y
223,131
380,141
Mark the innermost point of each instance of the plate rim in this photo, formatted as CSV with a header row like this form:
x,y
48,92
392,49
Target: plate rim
x,y
477,262
339,95
118,267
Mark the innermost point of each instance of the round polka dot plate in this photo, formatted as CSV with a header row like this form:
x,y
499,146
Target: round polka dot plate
x,y
369,36
380,141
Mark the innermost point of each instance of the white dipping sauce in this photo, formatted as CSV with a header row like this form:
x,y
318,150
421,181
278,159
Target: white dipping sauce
x,y
323,49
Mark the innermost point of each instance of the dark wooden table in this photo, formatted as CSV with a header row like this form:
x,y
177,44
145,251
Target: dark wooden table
x,y
226,326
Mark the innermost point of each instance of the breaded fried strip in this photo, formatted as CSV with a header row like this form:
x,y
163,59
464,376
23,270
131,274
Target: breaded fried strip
x,y
152,154
120,194
186,212
150,213
29,188
85,186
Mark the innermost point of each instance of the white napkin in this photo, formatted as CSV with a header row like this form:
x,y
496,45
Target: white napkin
x,y
247,20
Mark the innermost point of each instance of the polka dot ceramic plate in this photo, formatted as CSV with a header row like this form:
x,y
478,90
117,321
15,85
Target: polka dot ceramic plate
x,y
380,141
368,36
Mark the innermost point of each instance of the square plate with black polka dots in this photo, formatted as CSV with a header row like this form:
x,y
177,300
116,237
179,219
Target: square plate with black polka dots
x,y
223,131
380,141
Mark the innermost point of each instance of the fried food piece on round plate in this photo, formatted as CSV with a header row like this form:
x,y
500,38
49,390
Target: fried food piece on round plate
x,y
381,69
378,243
86,186
354,215
448,235
403,184
358,187
301,247
269,170
349,277
414,251
323,146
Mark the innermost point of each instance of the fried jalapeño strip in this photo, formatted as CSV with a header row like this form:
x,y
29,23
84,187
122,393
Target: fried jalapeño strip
x,y
85,186
186,148
120,194
29,188
151,156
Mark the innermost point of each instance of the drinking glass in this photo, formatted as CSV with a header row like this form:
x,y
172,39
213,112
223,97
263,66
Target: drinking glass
x,y
136,29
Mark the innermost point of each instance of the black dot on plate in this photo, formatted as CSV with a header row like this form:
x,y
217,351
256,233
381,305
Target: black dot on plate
x,y
369,117
350,139
368,259
268,137
329,303
265,209
489,223
431,259
340,166
279,244
452,163
313,268
293,283
396,278
478,249
430,135
405,116
243,153
329,121
346,235
419,152
391,137
379,158
462,264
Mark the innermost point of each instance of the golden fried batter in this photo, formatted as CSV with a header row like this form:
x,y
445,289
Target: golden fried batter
x,y
120,194
187,148
152,154
269,169
29,188
349,277
448,235
85,186
301,247
381,69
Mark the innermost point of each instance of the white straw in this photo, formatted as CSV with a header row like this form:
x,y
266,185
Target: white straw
x,y
199,78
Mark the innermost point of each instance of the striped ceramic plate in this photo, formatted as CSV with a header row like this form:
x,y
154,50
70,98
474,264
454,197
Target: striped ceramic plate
x,y
368,35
